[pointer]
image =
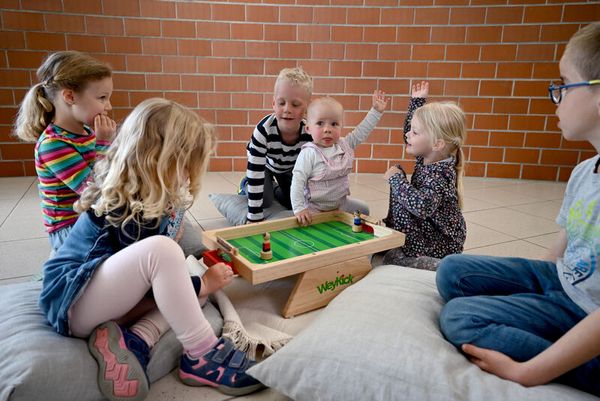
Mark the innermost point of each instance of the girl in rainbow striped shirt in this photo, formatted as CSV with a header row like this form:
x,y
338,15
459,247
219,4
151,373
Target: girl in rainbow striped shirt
x,y
72,96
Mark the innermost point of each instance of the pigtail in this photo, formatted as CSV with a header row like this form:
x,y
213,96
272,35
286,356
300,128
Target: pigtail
x,y
459,168
34,115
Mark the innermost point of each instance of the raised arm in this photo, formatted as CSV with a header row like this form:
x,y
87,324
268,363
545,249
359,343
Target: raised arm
x,y
363,130
418,97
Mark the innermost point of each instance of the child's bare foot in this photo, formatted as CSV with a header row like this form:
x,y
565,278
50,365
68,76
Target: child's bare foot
x,y
216,277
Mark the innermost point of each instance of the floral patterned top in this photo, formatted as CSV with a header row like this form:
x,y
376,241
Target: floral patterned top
x,y
426,208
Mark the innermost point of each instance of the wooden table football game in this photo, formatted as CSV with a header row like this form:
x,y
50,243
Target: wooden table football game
x,y
327,255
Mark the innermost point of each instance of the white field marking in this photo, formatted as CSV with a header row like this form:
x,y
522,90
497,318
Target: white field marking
x,y
349,236
304,244
250,251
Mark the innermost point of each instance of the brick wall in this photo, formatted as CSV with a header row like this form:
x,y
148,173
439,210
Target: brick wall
x,y
495,57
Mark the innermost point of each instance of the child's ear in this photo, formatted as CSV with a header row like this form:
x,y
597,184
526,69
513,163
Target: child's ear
x,y
68,96
438,145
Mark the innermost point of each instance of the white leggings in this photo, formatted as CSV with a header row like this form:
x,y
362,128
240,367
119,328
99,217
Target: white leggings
x,y
119,284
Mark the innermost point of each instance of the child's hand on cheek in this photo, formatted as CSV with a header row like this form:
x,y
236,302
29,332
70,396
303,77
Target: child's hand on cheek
x,y
105,128
379,101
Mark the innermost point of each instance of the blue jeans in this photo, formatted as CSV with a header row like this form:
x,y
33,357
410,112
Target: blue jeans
x,y
512,305
57,238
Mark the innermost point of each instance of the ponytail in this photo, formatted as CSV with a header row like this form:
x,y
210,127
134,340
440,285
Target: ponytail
x,y
35,113
459,168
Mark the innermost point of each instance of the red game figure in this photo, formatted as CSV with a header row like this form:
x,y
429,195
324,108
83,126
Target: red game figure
x,y
266,253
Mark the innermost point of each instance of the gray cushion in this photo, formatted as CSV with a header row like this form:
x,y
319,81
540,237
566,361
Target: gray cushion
x,y
191,241
380,340
235,208
36,363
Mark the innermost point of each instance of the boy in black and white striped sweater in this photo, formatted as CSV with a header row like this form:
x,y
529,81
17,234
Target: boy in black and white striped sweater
x,y
276,143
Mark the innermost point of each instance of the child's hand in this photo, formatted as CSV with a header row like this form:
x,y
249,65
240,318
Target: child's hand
x,y
498,364
420,89
392,171
379,101
105,128
304,217
216,277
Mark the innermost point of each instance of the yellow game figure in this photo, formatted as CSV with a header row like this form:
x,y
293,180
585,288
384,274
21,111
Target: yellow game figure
x,y
266,253
357,223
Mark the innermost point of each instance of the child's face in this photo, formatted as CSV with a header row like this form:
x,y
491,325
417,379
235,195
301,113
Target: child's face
x,y
579,110
93,100
418,140
325,124
289,104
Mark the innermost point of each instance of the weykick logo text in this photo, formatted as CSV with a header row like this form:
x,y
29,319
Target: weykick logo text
x,y
332,285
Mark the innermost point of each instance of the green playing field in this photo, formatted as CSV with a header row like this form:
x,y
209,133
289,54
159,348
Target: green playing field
x,y
293,242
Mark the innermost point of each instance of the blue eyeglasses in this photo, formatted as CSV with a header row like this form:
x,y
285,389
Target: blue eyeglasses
x,y
557,91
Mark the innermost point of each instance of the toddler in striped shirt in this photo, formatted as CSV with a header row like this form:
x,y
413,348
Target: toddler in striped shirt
x,y
320,176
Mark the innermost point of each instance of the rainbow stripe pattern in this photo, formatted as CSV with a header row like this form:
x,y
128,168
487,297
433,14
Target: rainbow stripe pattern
x,y
64,162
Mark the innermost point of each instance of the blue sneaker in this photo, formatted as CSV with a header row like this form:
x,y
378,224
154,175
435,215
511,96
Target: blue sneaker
x,y
242,187
223,367
122,358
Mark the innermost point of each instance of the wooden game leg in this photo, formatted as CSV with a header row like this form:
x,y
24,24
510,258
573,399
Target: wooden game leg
x,y
315,288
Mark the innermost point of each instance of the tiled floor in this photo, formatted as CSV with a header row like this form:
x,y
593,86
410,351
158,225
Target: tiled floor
x,y
504,217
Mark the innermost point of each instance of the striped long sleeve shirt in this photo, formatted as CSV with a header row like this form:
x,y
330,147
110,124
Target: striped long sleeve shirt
x,y
64,162
266,150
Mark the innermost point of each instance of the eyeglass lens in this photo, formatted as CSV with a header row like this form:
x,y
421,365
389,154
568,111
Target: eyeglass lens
x,y
555,93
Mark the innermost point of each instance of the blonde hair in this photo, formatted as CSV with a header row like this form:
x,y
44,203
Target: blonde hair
x,y
62,70
446,121
296,76
584,51
160,146
325,100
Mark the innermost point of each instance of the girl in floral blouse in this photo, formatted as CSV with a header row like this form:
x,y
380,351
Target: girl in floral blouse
x,y
428,207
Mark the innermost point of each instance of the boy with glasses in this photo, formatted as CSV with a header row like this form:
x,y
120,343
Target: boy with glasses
x,y
536,321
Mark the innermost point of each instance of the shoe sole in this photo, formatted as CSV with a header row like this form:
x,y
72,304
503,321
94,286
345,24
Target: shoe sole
x,y
196,381
121,377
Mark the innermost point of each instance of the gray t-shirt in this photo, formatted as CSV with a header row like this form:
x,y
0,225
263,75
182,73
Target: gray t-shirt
x,y
580,216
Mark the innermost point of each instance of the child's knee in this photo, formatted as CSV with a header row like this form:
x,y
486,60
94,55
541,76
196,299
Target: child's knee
x,y
447,275
165,247
455,322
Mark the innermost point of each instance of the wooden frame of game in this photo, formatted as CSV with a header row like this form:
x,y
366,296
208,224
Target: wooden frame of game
x,y
322,274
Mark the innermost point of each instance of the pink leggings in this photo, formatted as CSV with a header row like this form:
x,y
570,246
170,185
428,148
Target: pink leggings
x,y
121,282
